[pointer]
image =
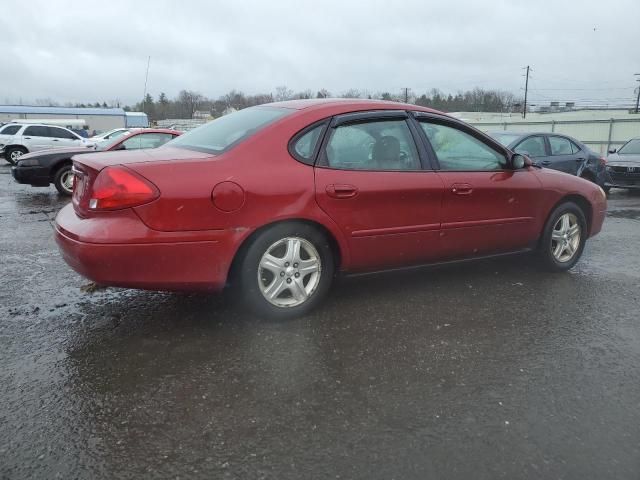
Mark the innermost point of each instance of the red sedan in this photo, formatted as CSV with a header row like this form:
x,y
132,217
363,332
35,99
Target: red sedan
x,y
277,199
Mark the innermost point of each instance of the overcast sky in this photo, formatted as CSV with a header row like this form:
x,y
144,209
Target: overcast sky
x,y
83,51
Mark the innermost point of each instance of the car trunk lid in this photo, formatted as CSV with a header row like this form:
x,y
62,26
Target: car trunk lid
x,y
87,167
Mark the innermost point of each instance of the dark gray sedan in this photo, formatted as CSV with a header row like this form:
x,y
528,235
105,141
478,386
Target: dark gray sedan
x,y
623,166
560,152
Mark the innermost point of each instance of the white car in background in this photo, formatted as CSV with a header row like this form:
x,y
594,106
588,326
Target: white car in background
x,y
16,139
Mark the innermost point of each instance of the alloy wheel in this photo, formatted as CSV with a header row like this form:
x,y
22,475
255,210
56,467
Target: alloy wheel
x,y
16,154
565,238
289,272
67,181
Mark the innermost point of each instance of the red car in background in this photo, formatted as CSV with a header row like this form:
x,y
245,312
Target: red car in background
x,y
274,200
41,168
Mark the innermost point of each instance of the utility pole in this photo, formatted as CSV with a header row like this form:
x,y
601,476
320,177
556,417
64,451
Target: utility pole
x,y
406,95
146,77
526,91
638,98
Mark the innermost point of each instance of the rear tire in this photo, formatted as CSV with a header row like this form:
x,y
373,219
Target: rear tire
x,y
286,271
563,237
13,154
63,180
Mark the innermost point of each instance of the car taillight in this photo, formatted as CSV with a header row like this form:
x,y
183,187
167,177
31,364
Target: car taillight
x,y
118,187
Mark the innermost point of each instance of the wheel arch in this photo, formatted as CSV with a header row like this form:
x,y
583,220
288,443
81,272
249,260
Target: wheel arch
x,y
16,145
338,251
57,165
579,200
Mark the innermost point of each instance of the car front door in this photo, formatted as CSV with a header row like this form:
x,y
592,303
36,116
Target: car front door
x,y
487,206
375,182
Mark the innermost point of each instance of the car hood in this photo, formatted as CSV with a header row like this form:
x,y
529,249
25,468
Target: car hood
x,y
56,151
100,160
623,160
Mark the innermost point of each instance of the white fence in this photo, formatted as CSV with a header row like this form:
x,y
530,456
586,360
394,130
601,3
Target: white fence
x,y
599,135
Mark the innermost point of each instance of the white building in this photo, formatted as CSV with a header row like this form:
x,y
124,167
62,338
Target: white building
x,y
99,119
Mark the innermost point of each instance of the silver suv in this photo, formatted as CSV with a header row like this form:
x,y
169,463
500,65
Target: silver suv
x,y
16,139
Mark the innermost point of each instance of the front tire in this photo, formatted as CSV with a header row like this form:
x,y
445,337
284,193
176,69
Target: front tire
x,y
564,237
286,271
63,180
13,154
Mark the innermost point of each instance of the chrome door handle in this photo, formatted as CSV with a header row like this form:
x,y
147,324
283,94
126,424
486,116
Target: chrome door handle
x,y
461,189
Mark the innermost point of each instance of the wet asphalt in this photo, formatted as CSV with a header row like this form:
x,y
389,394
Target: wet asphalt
x,y
489,370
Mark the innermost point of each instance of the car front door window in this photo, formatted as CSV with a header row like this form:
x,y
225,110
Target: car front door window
x,y
458,150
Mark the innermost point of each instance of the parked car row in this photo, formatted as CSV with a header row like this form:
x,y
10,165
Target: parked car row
x,y
566,154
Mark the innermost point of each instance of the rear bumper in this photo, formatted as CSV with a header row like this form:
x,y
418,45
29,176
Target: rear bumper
x,y
37,176
119,250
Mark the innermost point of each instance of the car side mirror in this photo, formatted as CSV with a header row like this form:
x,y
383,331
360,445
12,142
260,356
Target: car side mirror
x,y
613,150
519,161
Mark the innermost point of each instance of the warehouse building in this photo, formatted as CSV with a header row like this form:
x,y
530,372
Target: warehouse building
x,y
99,119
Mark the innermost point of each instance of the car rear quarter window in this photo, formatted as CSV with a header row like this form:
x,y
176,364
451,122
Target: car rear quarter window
x,y
532,146
36,131
304,145
10,130
459,150
376,145
227,131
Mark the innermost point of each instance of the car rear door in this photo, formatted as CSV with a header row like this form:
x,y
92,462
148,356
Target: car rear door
x,y
565,155
534,147
487,207
374,180
36,137
61,137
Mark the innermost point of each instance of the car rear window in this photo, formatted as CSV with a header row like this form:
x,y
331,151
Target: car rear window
x,y
10,130
227,131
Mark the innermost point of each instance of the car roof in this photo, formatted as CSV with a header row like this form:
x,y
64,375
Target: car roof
x,y
354,104
135,131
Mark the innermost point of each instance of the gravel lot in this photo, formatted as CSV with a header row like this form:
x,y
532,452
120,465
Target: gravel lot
x,y
487,370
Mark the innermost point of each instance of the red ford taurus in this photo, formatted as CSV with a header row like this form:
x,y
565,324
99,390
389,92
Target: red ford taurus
x,y
277,199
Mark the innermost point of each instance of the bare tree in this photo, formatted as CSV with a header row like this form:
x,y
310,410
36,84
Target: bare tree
x,y
352,93
283,93
189,100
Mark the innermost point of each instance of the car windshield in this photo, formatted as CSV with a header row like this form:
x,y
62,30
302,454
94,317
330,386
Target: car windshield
x,y
632,147
504,138
227,131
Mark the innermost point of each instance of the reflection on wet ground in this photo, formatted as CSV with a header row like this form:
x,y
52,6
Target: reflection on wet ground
x,y
485,370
